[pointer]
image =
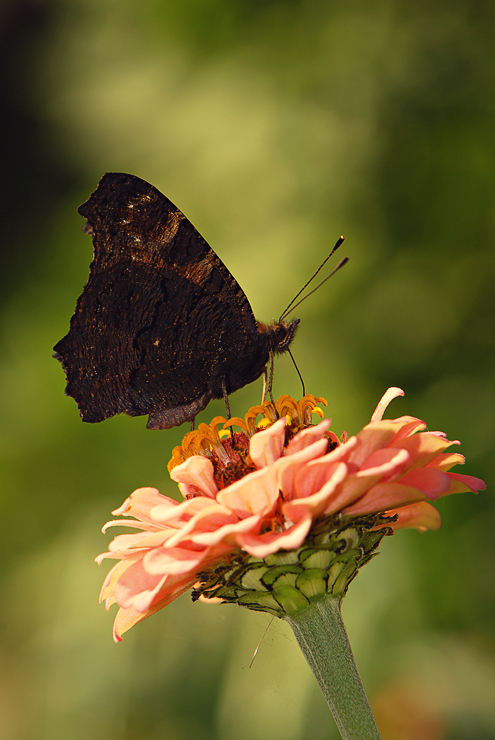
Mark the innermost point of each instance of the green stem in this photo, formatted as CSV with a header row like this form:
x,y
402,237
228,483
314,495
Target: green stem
x,y
322,637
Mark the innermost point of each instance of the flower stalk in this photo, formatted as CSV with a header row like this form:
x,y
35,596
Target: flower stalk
x,y
322,637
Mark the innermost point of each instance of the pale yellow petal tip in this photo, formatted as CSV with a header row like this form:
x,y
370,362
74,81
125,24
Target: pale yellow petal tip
x,y
212,600
387,397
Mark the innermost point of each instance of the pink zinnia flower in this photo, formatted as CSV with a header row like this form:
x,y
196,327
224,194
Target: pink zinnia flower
x,y
291,497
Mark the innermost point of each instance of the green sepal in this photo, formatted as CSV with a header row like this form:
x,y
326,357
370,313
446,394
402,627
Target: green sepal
x,y
287,581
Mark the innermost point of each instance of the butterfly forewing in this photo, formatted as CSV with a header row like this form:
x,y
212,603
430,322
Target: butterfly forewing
x,y
161,322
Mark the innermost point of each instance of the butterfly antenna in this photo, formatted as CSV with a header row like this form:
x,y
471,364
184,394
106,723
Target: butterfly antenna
x,y
298,372
291,304
341,264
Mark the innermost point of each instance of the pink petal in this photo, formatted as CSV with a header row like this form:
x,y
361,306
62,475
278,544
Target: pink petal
x,y
211,519
318,502
461,483
141,540
127,618
420,516
172,561
385,496
131,523
373,437
267,445
182,512
406,427
384,463
229,534
259,546
256,493
311,478
446,460
140,503
307,437
388,396
195,471
288,467
423,448
388,461
138,589
429,481
107,592
135,584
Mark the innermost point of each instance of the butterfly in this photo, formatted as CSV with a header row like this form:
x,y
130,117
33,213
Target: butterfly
x,y
162,327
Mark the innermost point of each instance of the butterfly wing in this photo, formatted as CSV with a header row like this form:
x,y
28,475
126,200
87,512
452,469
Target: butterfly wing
x,y
160,320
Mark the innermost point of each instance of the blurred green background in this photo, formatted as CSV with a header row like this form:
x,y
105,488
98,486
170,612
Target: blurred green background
x,y
275,126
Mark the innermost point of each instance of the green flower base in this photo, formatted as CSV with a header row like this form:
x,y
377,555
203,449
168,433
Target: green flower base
x,y
288,581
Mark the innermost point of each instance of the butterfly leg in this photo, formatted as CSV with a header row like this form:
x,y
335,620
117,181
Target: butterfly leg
x,y
193,424
227,406
265,384
270,380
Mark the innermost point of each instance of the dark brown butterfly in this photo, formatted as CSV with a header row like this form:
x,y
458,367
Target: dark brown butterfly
x,y
161,327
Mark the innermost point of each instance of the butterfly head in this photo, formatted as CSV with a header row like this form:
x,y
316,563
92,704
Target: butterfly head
x,y
282,334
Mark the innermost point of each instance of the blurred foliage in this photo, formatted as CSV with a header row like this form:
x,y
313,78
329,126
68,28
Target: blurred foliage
x,y
275,126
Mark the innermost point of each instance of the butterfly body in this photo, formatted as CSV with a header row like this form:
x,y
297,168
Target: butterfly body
x,y
162,327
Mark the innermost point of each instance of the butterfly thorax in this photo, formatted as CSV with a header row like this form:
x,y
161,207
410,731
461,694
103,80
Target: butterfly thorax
x,y
249,364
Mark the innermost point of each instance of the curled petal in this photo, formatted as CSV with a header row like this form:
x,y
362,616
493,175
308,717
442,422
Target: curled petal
x,y
230,533
261,546
312,477
307,436
196,471
288,467
182,512
136,590
128,617
256,493
384,463
267,446
406,426
320,502
214,525
141,502
388,396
